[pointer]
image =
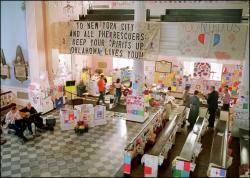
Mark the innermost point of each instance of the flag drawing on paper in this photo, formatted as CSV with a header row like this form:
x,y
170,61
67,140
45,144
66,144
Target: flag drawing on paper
x,y
216,39
201,38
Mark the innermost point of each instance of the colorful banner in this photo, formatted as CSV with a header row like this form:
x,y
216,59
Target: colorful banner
x,y
118,39
212,40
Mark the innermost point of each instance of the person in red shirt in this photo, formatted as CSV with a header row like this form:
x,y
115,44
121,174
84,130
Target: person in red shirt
x,y
101,87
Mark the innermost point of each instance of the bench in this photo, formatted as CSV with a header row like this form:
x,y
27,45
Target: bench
x,y
244,153
164,136
191,147
218,154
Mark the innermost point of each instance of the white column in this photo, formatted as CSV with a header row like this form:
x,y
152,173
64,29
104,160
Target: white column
x,y
138,68
245,79
35,40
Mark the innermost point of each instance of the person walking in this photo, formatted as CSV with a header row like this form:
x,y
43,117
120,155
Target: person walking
x,y
226,99
118,90
212,101
186,97
101,88
194,109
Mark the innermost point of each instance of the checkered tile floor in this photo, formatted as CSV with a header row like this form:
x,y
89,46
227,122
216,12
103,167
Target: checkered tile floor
x,y
97,153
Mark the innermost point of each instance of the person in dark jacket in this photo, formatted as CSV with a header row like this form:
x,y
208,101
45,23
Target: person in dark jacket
x,y
38,121
212,101
194,109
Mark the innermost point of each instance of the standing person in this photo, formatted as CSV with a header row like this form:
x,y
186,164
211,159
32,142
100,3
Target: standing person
x,y
194,109
186,97
212,101
118,90
226,99
169,91
15,121
101,88
38,121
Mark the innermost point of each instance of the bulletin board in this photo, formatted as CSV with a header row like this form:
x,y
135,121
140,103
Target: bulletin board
x,y
231,76
163,66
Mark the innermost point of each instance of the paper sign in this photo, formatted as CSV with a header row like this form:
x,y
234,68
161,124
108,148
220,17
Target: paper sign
x,y
173,88
186,166
127,158
177,173
179,165
216,172
185,173
147,170
135,105
126,168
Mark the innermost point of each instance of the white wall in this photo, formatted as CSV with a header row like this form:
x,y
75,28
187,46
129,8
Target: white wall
x,y
157,8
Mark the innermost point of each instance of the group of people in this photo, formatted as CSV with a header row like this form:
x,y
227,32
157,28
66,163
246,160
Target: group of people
x,y
19,120
212,100
101,83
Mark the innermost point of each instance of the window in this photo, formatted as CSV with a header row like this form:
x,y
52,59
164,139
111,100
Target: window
x,y
122,62
216,70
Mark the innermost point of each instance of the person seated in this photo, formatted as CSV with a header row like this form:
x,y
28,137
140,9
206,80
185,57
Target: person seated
x,y
3,141
36,119
15,121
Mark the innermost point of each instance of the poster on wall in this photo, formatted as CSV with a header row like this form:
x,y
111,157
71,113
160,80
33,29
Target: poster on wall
x,y
202,70
163,66
212,40
231,77
131,40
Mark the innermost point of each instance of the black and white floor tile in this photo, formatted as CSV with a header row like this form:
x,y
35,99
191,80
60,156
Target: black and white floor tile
x,y
96,153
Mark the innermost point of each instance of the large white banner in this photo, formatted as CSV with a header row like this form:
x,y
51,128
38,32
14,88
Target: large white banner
x,y
119,39
212,40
